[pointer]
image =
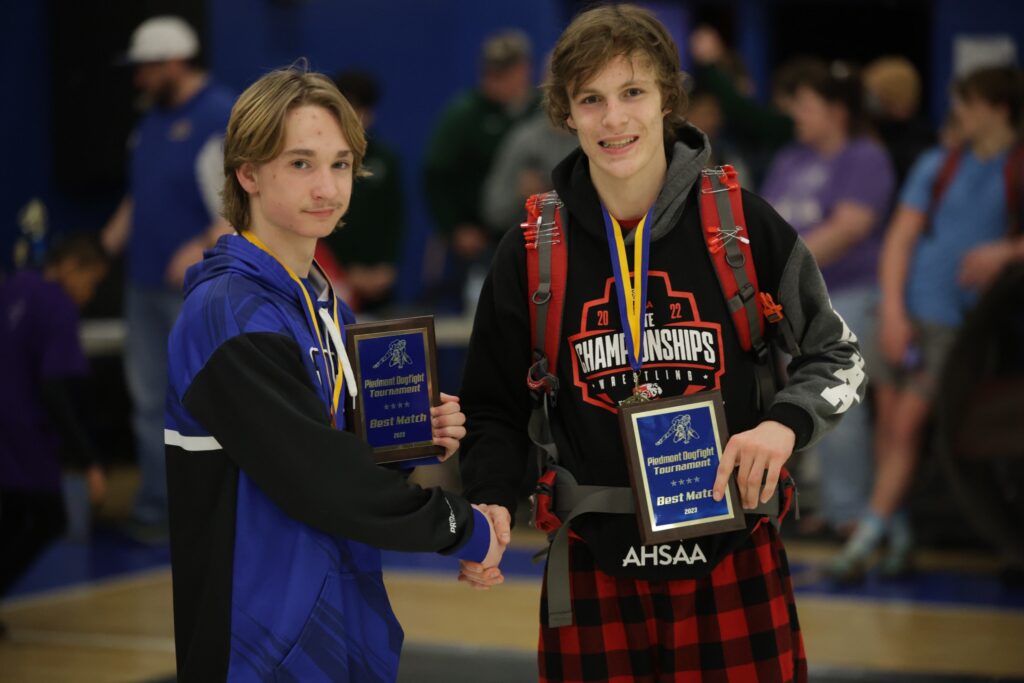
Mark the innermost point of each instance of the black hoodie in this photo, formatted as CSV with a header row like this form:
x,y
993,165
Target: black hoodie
x,y
699,350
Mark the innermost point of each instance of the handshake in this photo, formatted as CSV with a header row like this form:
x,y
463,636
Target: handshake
x,y
483,575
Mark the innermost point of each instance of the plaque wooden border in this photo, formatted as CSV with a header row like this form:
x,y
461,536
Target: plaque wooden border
x,y
356,331
682,530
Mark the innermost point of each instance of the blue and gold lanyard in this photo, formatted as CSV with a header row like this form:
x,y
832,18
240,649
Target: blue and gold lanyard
x,y
311,310
632,294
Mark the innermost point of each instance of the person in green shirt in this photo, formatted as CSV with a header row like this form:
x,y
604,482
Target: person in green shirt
x,y
462,149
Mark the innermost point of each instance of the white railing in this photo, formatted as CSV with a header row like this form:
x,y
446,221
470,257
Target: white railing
x,y
105,336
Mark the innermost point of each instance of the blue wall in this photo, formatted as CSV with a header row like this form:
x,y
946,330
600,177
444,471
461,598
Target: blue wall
x,y
978,17
423,52
24,119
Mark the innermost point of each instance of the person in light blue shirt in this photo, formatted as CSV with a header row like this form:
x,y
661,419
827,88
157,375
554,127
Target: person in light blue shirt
x,y
950,236
971,212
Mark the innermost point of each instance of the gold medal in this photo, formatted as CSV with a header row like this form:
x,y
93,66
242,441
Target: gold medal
x,y
641,392
635,398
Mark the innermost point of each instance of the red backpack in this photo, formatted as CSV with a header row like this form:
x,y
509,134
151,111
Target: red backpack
x,y
721,204
547,255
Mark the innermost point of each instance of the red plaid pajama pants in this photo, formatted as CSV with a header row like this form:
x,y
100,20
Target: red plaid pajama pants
x,y
737,625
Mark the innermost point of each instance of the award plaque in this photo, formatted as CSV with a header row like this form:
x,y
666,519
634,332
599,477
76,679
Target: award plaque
x,y
395,364
673,447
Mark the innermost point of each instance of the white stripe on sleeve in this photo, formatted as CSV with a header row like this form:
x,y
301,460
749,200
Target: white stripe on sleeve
x,y
193,444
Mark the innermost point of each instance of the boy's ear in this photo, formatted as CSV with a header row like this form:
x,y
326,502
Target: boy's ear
x,y
246,175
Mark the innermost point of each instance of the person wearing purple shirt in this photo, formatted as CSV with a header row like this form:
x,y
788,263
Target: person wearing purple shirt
x,y
835,186
40,430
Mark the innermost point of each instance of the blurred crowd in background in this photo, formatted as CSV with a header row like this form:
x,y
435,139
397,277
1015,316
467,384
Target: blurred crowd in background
x,y
916,226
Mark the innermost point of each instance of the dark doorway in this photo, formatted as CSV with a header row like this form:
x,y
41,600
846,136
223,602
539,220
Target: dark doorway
x,y
93,110
853,30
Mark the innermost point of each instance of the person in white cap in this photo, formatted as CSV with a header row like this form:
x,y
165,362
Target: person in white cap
x,y
169,214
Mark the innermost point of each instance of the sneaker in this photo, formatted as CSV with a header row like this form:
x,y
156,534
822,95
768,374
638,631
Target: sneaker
x,y
898,563
851,564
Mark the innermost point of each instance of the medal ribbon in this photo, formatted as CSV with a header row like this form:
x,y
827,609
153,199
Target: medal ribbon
x,y
632,294
311,310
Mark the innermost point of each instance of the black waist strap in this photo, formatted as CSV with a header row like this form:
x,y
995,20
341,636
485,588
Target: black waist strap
x,y
607,499
573,500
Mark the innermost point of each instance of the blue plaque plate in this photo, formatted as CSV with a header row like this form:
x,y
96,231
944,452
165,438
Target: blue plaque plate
x,y
395,364
674,447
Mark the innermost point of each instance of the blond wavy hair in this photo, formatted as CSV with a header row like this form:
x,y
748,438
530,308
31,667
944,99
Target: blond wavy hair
x,y
256,129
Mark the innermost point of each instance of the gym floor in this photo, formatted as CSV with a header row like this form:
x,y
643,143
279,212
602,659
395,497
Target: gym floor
x,y
100,611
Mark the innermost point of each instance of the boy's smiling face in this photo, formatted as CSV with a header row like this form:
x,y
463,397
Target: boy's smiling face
x,y
619,119
305,190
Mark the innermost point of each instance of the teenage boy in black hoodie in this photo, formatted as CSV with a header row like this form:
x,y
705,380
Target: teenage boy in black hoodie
x,y
713,608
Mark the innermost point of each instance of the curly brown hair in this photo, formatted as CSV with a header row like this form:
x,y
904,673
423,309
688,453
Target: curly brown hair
x,y
599,35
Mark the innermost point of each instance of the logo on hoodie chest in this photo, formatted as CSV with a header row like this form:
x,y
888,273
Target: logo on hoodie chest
x,y
682,355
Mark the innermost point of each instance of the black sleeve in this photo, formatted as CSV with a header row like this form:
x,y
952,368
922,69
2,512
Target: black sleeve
x,y
255,397
494,394
76,450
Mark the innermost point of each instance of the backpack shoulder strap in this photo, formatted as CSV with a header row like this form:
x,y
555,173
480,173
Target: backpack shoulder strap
x,y
547,256
1013,174
944,177
725,234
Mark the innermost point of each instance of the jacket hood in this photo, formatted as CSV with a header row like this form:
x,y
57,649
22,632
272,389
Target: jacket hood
x,y
686,157
233,254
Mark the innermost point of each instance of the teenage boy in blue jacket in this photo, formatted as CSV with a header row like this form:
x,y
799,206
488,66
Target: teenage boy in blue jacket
x,y
277,513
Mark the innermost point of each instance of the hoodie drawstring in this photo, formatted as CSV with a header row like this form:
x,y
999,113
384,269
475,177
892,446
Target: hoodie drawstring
x,y
346,365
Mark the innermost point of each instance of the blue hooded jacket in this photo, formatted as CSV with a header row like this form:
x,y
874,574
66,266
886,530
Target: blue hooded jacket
x,y
277,514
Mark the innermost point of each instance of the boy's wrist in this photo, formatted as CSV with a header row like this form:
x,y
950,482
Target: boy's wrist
x,y
475,549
